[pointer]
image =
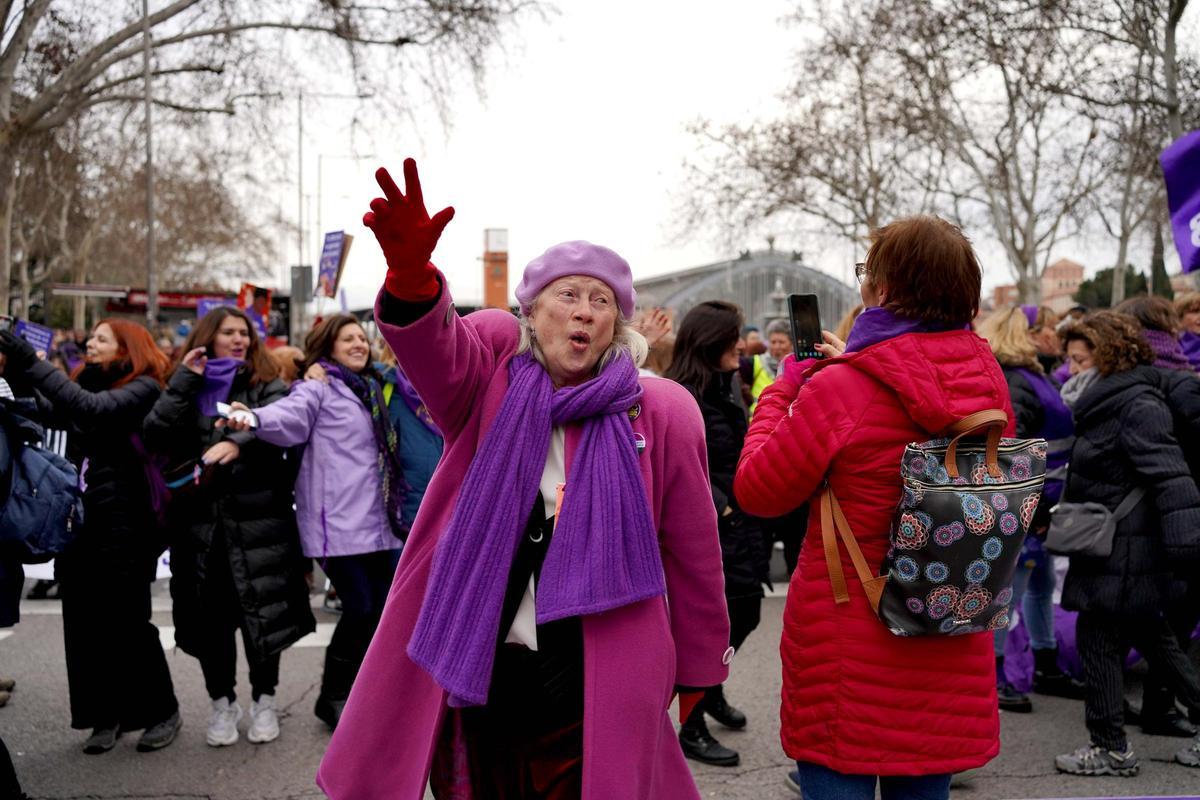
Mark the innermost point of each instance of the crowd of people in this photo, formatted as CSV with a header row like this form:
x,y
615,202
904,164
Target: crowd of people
x,y
509,509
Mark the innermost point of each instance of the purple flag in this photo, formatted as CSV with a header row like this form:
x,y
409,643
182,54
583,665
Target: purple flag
x,y
1181,171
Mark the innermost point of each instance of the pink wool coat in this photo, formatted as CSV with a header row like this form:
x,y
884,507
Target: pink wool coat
x,y
634,656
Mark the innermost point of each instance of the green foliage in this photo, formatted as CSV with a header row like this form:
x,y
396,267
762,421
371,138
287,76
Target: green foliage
x,y
1096,292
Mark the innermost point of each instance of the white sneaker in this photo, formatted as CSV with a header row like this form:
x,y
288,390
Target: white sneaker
x,y
223,722
264,722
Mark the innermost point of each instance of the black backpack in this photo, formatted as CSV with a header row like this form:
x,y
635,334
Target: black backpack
x,y
42,508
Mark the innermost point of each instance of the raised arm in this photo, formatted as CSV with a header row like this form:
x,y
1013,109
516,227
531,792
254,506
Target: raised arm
x,y
175,406
447,359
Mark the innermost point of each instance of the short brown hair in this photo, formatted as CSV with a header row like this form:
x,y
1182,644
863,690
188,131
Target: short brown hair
x,y
1188,303
1153,313
1116,341
927,268
262,368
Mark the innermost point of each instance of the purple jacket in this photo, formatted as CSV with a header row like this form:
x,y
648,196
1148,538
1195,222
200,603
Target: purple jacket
x,y
339,502
385,744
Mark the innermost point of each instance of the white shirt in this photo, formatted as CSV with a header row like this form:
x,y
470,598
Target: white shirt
x,y
524,627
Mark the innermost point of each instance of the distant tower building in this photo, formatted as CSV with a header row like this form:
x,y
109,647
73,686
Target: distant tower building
x,y
1060,281
495,268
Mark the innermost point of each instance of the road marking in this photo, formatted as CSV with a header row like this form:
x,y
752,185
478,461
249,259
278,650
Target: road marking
x,y
318,638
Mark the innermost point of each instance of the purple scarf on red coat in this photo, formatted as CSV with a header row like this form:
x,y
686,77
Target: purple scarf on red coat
x,y
1168,353
604,553
878,324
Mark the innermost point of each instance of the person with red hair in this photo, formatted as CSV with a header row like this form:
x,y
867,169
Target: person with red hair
x,y
116,672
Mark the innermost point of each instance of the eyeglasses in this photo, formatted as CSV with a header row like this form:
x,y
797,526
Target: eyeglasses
x,y
860,271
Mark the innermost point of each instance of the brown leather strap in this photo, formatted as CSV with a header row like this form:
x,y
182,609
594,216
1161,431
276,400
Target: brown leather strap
x,y
833,523
833,559
995,421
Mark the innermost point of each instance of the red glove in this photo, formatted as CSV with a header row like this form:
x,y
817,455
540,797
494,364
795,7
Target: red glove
x,y
406,235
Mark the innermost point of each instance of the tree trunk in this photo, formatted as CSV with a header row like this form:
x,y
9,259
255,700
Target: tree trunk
x,y
79,304
1118,283
1160,284
8,185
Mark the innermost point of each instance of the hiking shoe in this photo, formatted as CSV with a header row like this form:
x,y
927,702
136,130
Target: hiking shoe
x,y
1095,760
102,740
1190,755
156,737
1171,723
223,722
1012,700
264,721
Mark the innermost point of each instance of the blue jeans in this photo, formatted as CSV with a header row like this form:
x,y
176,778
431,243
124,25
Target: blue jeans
x,y
822,783
1033,588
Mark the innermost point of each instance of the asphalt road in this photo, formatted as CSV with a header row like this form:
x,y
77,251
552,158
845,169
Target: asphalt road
x,y
47,752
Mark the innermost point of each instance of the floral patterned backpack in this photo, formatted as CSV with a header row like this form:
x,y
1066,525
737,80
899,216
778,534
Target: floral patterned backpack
x,y
956,536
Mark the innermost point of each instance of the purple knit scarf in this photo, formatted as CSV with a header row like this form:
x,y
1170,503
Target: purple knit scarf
x,y
218,381
604,553
1190,343
1168,353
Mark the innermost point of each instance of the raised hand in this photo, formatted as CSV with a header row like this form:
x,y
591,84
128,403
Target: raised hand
x,y
406,234
195,360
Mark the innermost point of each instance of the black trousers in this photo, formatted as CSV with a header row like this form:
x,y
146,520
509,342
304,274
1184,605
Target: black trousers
x,y
362,582
218,634
745,612
117,673
1104,641
1183,616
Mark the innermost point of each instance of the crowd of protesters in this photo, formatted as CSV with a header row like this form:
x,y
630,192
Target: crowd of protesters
x,y
476,583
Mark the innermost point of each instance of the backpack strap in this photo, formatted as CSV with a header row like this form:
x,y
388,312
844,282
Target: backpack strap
x,y
995,421
833,524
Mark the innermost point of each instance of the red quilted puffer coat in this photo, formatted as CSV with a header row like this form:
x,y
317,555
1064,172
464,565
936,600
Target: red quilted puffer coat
x,y
857,699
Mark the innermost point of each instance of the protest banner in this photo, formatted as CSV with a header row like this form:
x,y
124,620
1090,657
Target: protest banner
x,y
256,302
333,262
41,337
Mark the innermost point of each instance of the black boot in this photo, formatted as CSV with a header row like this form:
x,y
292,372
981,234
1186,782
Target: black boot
x,y
1050,680
719,709
336,681
1009,698
699,744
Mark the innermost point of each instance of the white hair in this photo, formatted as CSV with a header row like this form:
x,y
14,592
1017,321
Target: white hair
x,y
625,340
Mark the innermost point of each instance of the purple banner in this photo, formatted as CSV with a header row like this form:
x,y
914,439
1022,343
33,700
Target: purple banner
x,y
41,337
207,304
1181,171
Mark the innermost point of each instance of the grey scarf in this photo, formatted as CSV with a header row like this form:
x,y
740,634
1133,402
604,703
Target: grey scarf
x,y
1076,385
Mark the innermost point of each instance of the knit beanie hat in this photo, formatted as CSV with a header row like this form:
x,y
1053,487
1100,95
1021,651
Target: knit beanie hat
x,y
578,258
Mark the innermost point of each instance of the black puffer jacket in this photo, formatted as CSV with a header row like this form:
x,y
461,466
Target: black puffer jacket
x,y
1027,408
743,549
120,537
1182,391
1124,438
249,500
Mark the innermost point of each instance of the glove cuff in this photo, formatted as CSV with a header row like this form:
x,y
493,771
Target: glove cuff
x,y
413,288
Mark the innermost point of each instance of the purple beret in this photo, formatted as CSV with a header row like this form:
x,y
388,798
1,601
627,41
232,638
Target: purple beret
x,y
578,258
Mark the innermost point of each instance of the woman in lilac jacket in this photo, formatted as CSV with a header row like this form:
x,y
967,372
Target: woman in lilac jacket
x,y
569,525
349,492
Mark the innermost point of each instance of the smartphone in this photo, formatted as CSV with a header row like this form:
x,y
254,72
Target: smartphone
x,y
806,325
225,410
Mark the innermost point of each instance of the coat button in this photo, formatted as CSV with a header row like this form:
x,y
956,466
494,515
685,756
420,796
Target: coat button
x,y
728,657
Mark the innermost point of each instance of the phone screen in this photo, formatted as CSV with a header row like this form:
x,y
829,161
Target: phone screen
x,y
806,325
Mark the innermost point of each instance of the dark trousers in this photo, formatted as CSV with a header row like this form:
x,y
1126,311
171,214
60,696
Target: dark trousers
x,y
744,615
218,634
1104,641
10,787
1157,697
362,582
117,673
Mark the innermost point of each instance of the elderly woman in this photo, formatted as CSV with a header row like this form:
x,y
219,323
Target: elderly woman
x,y
861,706
475,681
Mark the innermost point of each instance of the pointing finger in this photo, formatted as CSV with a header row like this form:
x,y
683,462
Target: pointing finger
x,y
390,190
412,184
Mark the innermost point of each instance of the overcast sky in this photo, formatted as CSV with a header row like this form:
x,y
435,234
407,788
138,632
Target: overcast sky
x,y
581,134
